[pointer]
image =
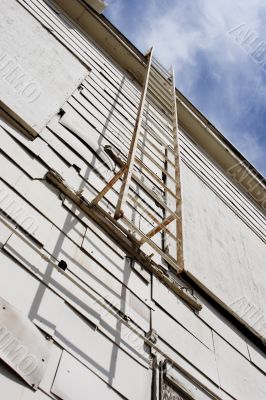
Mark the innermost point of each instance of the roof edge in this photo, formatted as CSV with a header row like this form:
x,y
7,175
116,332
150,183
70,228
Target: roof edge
x,y
201,130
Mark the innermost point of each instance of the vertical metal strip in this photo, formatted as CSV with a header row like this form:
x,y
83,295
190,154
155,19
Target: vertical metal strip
x,y
133,146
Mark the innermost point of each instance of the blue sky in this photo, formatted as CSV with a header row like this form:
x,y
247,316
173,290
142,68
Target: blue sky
x,y
216,70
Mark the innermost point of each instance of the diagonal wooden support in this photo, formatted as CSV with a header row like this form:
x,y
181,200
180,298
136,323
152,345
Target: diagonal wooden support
x,y
109,185
159,227
120,236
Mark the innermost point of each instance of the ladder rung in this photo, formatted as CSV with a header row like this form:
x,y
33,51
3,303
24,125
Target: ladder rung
x,y
155,135
120,173
155,101
164,129
166,103
136,203
167,91
159,77
159,68
155,177
167,258
161,119
158,150
153,195
157,165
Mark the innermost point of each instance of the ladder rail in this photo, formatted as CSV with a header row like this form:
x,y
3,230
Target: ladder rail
x,y
156,92
133,147
178,211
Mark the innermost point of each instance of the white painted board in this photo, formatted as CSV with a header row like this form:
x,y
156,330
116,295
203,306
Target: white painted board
x,y
75,381
37,73
22,346
238,376
228,258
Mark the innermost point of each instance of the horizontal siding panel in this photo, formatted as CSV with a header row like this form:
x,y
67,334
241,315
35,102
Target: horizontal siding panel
x,y
223,186
54,279
184,343
101,277
222,326
257,357
103,357
194,374
20,211
22,158
21,289
85,302
167,300
122,273
75,381
50,373
79,45
238,377
46,199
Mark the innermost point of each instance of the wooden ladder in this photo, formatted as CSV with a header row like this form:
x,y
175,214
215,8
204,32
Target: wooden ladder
x,y
159,90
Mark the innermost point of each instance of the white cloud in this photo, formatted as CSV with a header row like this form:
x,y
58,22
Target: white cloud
x,y
186,33
250,146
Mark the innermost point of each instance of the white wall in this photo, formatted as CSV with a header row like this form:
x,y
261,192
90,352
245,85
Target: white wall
x,y
37,74
92,350
224,241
